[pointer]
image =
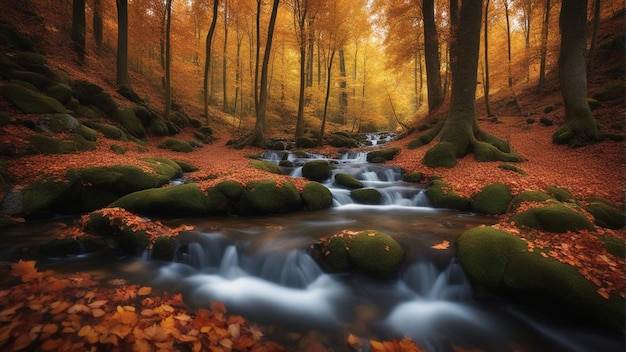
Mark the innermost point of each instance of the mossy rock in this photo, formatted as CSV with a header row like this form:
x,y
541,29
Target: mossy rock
x,y
128,119
186,200
11,38
484,152
50,145
529,196
414,177
185,166
611,92
561,194
342,141
440,155
614,245
305,142
88,133
128,240
497,261
369,252
5,119
316,196
42,198
223,197
61,92
492,199
58,123
546,121
606,215
88,94
556,218
158,127
366,196
380,156
510,167
316,170
176,145
104,185
163,248
68,246
441,195
266,197
118,149
29,101
28,79
267,166
348,181
144,115
165,167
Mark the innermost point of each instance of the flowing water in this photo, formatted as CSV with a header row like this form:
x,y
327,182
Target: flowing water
x,y
260,268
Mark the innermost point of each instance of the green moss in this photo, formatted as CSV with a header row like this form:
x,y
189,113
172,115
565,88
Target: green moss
x,y
426,137
316,170
441,195
488,152
90,94
380,156
185,166
485,252
159,127
606,215
176,145
165,167
49,145
561,194
611,92
513,168
546,121
341,141
529,196
613,245
492,199
305,142
163,248
414,177
88,133
41,198
30,102
267,166
128,119
186,199
11,38
552,218
316,196
61,92
221,199
440,155
60,247
335,255
231,189
375,253
366,196
348,181
104,185
265,197
117,149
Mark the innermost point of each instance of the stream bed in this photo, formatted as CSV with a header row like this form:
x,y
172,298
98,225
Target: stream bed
x,y
260,267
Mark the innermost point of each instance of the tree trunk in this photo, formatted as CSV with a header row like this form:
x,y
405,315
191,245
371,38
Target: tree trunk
x,y
258,55
97,24
207,62
168,60
257,137
78,29
122,44
486,44
300,14
580,126
343,94
431,56
323,127
461,134
544,46
224,58
508,41
593,48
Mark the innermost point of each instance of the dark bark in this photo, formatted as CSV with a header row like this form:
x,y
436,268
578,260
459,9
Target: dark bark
x,y
300,16
580,126
323,127
593,48
544,46
225,58
486,45
343,94
78,29
168,59
97,24
508,41
207,62
122,44
431,56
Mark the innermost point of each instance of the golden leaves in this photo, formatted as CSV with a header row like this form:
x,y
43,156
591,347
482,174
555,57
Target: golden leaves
x,y
442,245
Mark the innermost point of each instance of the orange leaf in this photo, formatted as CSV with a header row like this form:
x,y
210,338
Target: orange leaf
x,y
442,245
144,291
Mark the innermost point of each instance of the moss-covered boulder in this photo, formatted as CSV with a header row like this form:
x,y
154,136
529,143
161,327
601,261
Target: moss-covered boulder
x,y
366,196
163,248
613,245
529,196
185,200
29,101
58,123
500,262
49,145
316,170
369,252
185,166
484,152
128,119
342,141
561,194
165,167
224,197
380,156
109,131
511,167
60,92
316,196
116,224
267,197
68,246
347,181
606,215
441,195
492,199
176,145
611,92
88,133
43,198
158,127
305,142
267,166
12,39
552,218
413,177
90,94
440,155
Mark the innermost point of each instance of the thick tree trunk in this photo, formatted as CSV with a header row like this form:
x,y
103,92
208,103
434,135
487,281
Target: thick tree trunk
x,y
168,60
431,56
225,58
78,29
486,45
544,46
300,13
508,41
207,62
122,44
97,24
580,126
323,127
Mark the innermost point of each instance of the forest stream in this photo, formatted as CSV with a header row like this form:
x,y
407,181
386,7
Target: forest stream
x,y
261,268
